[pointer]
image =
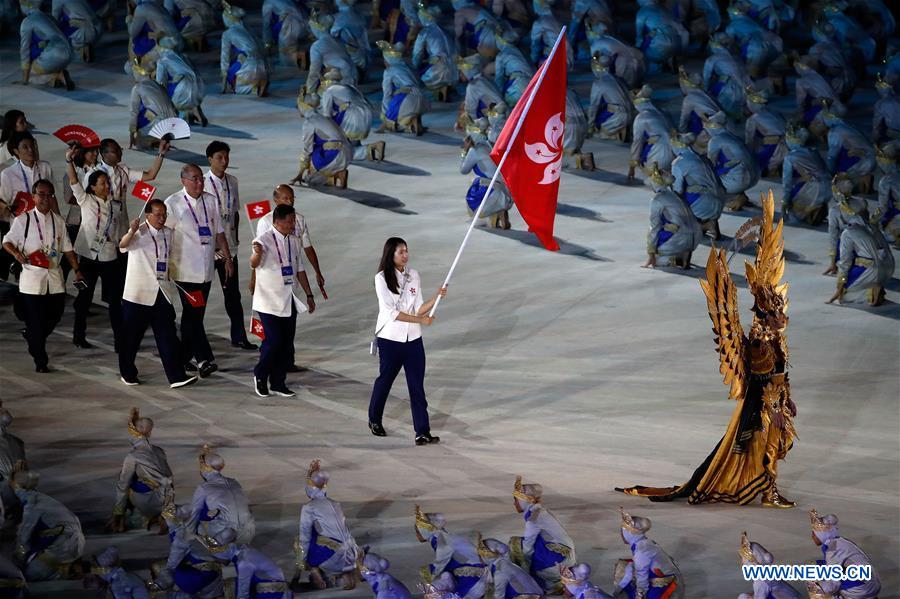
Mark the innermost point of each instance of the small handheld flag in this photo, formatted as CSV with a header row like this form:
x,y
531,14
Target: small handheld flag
x,y
258,209
256,328
143,191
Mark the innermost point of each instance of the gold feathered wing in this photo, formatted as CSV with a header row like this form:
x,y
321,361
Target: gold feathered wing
x,y
769,266
721,301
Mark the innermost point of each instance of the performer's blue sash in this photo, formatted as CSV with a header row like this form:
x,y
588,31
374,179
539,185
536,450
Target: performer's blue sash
x,y
320,157
393,110
318,554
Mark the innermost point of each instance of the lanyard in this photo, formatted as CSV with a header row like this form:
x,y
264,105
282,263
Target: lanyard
x,y
194,214
212,180
25,177
122,180
287,241
156,247
108,220
37,221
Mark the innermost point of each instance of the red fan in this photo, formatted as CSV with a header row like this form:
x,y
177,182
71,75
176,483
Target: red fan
x,y
78,135
23,203
39,259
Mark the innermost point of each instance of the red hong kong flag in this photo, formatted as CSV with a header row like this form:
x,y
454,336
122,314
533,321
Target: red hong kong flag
x,y
143,191
194,298
22,203
531,170
256,328
257,209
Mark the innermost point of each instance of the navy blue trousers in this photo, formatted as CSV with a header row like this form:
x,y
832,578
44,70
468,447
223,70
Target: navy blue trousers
x,y
231,291
41,314
194,343
161,318
410,356
277,348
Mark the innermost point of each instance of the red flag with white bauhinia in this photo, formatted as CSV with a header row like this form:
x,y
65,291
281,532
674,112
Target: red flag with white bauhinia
x,y
143,191
258,209
535,152
256,328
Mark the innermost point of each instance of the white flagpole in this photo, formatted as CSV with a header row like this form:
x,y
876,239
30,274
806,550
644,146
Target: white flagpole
x,y
512,139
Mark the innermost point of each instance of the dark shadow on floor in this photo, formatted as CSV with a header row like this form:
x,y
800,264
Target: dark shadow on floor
x,y
566,248
604,176
83,95
183,156
888,309
392,168
749,251
440,139
580,212
372,199
219,131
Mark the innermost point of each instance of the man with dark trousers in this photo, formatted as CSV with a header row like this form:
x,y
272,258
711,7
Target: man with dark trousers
x,y
147,297
198,234
279,276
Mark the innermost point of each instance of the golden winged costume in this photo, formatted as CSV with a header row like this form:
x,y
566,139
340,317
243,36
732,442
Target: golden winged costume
x,y
744,463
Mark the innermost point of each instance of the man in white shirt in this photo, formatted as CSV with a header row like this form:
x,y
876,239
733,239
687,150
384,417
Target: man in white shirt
x,y
38,241
225,189
279,270
284,194
21,175
146,298
198,233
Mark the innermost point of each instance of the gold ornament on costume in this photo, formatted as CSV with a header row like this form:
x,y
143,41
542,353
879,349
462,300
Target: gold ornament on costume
x,y
422,520
389,50
484,551
746,552
519,492
204,467
566,576
137,68
628,522
817,522
132,422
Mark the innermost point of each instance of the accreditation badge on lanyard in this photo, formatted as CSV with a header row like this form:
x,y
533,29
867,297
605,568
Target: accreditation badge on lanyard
x,y
287,270
203,231
225,210
162,263
102,237
49,246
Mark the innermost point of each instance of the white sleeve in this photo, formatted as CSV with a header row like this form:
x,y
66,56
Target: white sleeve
x,y
304,235
16,233
386,300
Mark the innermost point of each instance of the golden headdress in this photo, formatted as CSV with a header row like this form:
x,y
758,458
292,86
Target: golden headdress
x,y
880,83
134,427
634,524
209,461
484,551
137,68
756,96
390,50
519,492
746,552
422,520
821,523
319,482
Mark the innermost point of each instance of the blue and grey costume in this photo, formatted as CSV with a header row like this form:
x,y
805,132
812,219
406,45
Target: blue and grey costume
x,y
346,105
325,152
432,54
611,112
754,554
78,21
258,576
828,60
889,193
374,570
865,261
850,154
756,46
122,584
477,160
12,451
190,566
805,180
150,23
574,134
658,34
481,93
324,541
578,583
149,103
545,547
194,18
327,52
886,115
475,29
674,230
49,539
42,46
695,181
544,30
502,576
587,15
840,551
650,135
145,480
627,61
452,553
403,100
812,93
735,164
650,573
178,75
219,502
764,133
696,107
352,30
242,58
512,71
725,78
284,28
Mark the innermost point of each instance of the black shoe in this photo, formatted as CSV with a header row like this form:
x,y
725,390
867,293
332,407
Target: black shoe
x,y
244,344
295,368
283,392
189,367
206,368
42,369
377,430
82,343
427,439
24,334
262,389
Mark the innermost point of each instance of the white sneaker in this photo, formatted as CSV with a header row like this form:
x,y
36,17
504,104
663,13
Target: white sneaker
x,y
184,383
133,383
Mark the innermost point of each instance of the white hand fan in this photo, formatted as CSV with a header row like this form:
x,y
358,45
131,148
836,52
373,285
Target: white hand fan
x,y
170,128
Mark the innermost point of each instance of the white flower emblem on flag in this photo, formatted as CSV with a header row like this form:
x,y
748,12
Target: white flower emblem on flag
x,y
549,153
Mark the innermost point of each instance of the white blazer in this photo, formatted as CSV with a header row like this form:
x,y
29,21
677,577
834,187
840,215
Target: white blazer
x,y
409,300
